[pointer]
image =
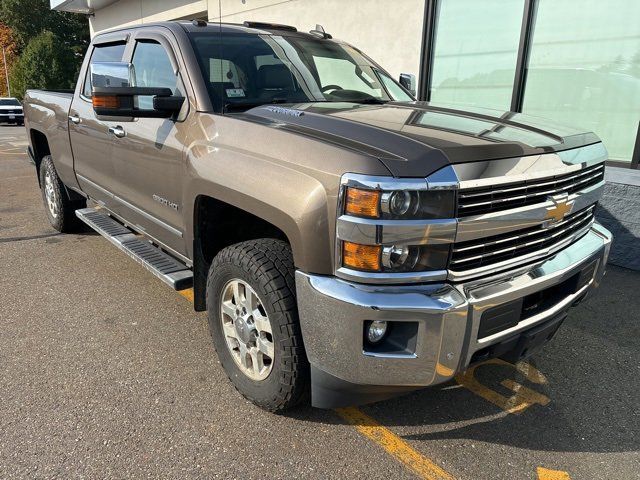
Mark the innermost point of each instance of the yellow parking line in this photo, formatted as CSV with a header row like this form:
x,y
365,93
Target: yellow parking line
x,y
187,293
522,397
393,445
546,474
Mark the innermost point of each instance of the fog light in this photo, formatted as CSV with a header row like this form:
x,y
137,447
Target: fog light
x,y
376,331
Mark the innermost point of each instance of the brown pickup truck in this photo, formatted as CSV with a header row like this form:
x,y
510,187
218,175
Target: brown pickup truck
x,y
346,240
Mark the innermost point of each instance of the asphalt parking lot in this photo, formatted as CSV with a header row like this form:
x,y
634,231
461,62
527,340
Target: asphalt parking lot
x,y
107,373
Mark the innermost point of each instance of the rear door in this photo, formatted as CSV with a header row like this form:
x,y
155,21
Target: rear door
x,y
148,158
91,141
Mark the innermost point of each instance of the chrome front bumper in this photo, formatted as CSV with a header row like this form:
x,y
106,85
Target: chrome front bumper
x,y
333,312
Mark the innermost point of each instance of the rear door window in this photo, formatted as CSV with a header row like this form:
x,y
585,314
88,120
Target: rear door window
x,y
108,52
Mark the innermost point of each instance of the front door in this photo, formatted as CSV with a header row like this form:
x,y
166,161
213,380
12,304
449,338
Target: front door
x,y
148,154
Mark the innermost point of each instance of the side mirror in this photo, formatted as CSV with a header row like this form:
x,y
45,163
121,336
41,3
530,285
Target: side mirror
x,y
114,94
122,102
408,81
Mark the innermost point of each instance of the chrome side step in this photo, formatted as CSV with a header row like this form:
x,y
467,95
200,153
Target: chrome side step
x,y
161,264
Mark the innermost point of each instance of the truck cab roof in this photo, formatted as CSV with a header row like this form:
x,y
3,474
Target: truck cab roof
x,y
193,26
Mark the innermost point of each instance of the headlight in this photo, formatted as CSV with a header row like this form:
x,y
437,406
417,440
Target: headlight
x,y
400,204
394,259
394,229
403,257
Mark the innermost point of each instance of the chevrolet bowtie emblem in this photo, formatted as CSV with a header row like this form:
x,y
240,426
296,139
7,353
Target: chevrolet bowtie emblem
x,y
561,207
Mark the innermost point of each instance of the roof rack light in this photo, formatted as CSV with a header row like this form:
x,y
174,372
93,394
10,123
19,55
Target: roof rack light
x,y
269,26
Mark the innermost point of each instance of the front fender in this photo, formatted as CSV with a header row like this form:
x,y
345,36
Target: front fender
x,y
293,201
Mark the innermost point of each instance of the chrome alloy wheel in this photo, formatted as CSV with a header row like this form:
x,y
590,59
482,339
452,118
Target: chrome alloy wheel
x,y
50,195
247,330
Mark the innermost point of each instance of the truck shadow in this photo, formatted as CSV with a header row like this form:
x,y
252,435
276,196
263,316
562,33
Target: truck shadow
x,y
591,386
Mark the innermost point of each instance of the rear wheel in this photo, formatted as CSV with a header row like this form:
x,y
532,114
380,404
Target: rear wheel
x,y
253,320
60,209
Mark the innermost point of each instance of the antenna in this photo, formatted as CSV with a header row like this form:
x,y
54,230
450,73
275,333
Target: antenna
x,y
319,31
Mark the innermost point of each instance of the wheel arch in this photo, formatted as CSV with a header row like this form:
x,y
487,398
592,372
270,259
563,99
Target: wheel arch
x,y
218,224
40,148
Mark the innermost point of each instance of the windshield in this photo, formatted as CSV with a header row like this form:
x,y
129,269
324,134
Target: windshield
x,y
9,102
246,70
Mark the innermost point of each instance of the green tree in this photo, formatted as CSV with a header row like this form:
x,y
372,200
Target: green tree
x,y
46,62
28,18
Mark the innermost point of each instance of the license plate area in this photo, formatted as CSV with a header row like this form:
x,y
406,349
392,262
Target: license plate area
x,y
520,346
508,315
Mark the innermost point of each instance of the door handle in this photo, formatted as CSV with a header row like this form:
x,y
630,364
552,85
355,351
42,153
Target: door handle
x,y
118,131
74,118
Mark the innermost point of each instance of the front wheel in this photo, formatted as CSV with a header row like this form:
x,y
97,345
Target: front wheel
x,y
253,320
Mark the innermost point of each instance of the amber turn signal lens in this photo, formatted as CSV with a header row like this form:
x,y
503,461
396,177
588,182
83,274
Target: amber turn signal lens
x,y
105,101
364,203
361,257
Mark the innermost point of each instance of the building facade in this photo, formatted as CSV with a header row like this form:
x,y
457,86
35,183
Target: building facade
x,y
573,61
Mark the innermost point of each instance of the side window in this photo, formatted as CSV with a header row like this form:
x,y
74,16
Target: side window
x,y
152,68
109,52
341,72
394,89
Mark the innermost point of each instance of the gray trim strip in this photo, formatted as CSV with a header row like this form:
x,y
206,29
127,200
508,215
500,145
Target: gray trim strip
x,y
635,157
373,231
428,47
391,278
524,50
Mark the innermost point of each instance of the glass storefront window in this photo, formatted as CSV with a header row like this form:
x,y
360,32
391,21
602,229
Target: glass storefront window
x,y
475,52
584,69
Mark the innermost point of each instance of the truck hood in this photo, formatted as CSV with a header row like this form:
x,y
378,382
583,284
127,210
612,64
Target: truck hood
x,y
414,139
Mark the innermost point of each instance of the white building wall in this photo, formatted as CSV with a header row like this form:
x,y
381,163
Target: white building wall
x,y
135,12
389,31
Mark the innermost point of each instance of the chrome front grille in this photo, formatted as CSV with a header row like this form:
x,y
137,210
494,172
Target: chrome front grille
x,y
492,250
482,200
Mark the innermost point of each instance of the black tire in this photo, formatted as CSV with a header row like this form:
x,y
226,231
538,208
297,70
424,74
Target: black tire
x,y
64,219
267,266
